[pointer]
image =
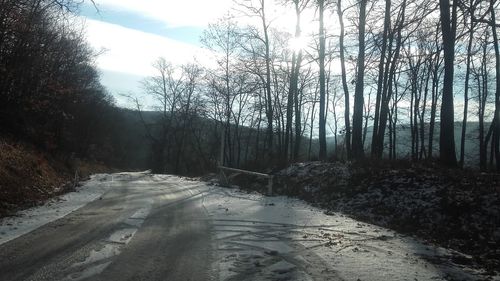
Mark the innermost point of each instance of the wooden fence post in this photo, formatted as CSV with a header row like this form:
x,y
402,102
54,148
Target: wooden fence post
x,y
270,186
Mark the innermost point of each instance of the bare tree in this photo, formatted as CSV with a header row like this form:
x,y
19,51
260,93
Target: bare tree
x,y
222,38
258,10
347,115
466,86
322,81
447,152
293,104
357,124
380,81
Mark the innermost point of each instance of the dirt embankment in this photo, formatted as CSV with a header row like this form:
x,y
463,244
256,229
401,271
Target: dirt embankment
x,y
28,177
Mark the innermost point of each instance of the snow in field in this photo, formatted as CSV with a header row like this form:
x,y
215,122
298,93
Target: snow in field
x,y
279,238
30,219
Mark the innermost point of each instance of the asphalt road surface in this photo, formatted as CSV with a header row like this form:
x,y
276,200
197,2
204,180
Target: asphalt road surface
x,y
142,229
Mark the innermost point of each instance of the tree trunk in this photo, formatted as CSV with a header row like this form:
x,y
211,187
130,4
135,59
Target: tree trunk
x,y
357,122
347,115
367,117
294,81
387,91
447,151
380,80
496,119
483,95
466,96
313,113
322,87
269,100
289,110
434,100
424,108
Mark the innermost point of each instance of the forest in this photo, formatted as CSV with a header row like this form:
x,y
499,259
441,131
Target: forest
x,y
348,88
347,85
50,89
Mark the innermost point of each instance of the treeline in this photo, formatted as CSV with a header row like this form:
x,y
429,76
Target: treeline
x,y
369,66
184,131
50,92
343,90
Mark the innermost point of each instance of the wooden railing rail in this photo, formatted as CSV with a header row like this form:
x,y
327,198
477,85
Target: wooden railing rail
x,y
261,175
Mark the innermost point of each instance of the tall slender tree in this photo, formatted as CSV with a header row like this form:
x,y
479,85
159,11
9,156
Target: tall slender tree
x,y
466,86
380,79
447,152
347,106
357,119
496,118
322,80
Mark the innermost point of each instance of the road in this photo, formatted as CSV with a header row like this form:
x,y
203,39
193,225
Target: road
x,y
160,227
142,229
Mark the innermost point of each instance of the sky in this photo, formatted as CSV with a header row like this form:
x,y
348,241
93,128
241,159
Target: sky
x,y
132,34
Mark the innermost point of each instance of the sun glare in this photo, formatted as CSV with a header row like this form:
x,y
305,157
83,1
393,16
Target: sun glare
x,y
297,44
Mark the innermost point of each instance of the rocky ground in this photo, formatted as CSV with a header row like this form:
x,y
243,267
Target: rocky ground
x,y
456,209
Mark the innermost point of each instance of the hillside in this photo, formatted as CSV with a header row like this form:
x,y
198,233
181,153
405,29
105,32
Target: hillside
x,y
30,174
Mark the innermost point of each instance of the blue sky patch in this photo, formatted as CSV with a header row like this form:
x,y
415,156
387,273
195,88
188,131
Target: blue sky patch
x,y
190,35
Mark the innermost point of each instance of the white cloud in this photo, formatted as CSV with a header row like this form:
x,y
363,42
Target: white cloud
x,y
173,12
199,13
133,52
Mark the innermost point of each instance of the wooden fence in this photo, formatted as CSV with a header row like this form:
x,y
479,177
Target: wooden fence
x,y
225,178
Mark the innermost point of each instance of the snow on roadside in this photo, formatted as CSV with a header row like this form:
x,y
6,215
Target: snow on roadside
x,y
28,220
281,237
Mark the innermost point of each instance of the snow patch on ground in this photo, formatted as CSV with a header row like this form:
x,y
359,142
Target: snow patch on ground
x,y
280,238
108,251
33,218
123,236
456,209
100,258
88,272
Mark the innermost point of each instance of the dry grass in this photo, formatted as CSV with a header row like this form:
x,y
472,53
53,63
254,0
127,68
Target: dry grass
x,y
26,177
29,177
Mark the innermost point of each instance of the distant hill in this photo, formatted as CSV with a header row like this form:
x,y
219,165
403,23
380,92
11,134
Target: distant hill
x,y
403,141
